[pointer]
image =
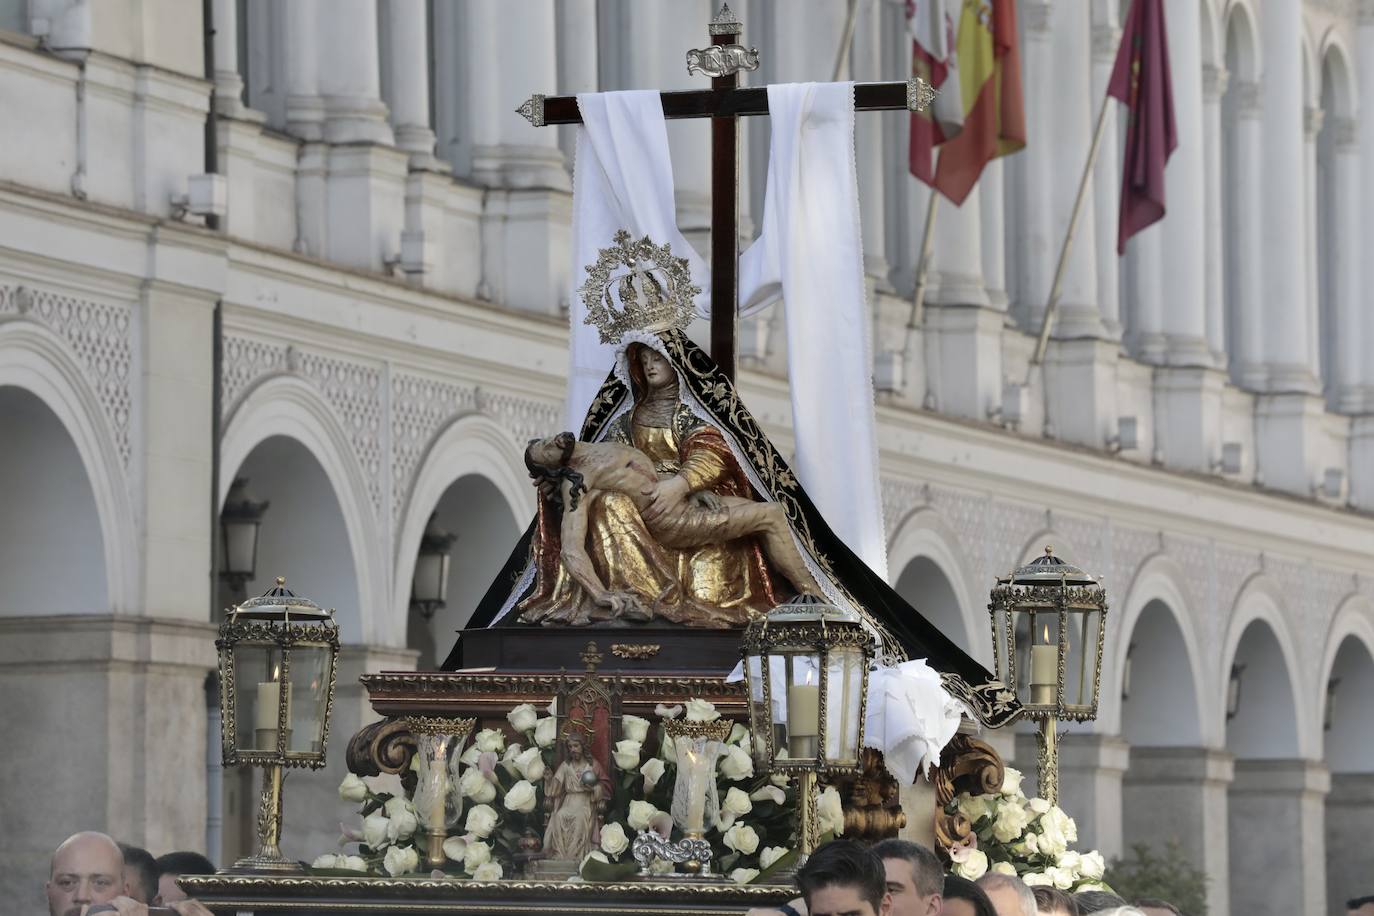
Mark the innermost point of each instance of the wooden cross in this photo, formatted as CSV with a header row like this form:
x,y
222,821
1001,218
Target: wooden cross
x,y
724,103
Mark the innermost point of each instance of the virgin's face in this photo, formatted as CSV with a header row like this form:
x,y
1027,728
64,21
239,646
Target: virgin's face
x,y
657,370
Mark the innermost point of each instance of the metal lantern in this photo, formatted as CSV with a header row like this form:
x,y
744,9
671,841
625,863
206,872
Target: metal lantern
x,y
240,521
1048,627
429,585
806,675
277,657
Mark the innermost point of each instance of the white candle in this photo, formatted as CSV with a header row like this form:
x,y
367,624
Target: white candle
x,y
693,762
803,717
1044,670
268,709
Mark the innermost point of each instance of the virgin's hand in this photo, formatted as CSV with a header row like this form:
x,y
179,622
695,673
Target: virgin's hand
x,y
666,494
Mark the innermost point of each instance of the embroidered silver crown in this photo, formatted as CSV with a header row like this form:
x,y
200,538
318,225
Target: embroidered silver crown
x,y
654,289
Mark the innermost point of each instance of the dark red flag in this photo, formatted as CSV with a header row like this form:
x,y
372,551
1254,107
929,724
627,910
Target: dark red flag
x,y
1141,81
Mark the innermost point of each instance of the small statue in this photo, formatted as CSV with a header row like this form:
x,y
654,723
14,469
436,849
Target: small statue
x,y
574,474
575,795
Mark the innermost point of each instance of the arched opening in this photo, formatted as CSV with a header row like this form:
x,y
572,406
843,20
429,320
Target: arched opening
x,y
1271,783
52,555
303,535
1348,723
1161,795
926,588
476,511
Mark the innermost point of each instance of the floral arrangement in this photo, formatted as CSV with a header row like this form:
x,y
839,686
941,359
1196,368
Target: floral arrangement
x,y
502,817
1026,837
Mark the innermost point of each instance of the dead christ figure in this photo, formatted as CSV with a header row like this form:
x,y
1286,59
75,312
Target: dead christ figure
x,y
572,475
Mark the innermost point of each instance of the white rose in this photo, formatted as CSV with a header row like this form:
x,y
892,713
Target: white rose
x,y
744,875
627,754
326,861
520,797
400,859
1070,861
1092,866
1011,782
476,854
735,764
1028,845
742,838
1037,880
454,847
771,854
352,789
489,739
1062,878
701,711
974,866
737,734
352,863
1003,868
668,712
641,813
508,759
769,793
736,802
469,757
829,812
477,787
613,840
1038,805
546,732
974,807
781,780
1054,827
530,763
401,820
634,728
653,772
487,871
1011,820
374,831
523,718
481,821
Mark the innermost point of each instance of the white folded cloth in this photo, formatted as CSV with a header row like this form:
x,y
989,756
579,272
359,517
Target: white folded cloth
x,y
910,718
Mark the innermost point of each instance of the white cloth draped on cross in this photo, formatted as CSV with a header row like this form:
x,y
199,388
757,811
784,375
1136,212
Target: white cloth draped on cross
x,y
809,249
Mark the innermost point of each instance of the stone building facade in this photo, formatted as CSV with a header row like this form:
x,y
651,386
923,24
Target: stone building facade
x,y
386,290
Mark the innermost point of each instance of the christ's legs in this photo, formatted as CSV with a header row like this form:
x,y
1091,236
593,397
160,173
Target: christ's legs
x,y
768,521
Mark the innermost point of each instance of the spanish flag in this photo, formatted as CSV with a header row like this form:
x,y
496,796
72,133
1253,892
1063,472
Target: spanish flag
x,y
990,84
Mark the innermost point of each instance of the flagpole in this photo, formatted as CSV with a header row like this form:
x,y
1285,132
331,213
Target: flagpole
x,y
918,294
1057,288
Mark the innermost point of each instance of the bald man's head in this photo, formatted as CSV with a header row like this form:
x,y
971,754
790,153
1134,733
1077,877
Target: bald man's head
x,y
87,868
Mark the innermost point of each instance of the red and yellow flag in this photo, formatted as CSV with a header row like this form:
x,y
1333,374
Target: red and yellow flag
x,y
990,84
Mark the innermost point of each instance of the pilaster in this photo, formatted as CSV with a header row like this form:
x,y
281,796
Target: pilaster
x,y
1180,794
228,83
350,73
1188,406
1277,821
1106,178
966,359
405,28
1361,462
1246,295
1214,80
364,198
1288,440
526,239
304,106
1081,379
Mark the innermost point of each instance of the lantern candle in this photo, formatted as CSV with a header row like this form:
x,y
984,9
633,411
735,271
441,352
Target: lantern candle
x,y
1044,673
268,712
803,717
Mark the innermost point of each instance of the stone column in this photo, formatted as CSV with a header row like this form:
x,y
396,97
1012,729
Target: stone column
x,y
304,107
1179,793
1312,119
866,65
1282,270
992,220
1362,399
506,150
1245,289
1347,245
228,83
407,78
350,73
1106,186
1277,822
1183,242
1213,87
579,57
1349,812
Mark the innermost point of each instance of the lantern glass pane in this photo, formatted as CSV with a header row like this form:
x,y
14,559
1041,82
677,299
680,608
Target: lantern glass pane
x,y
1037,655
309,693
843,702
1081,663
257,696
760,717
431,577
801,705
240,546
